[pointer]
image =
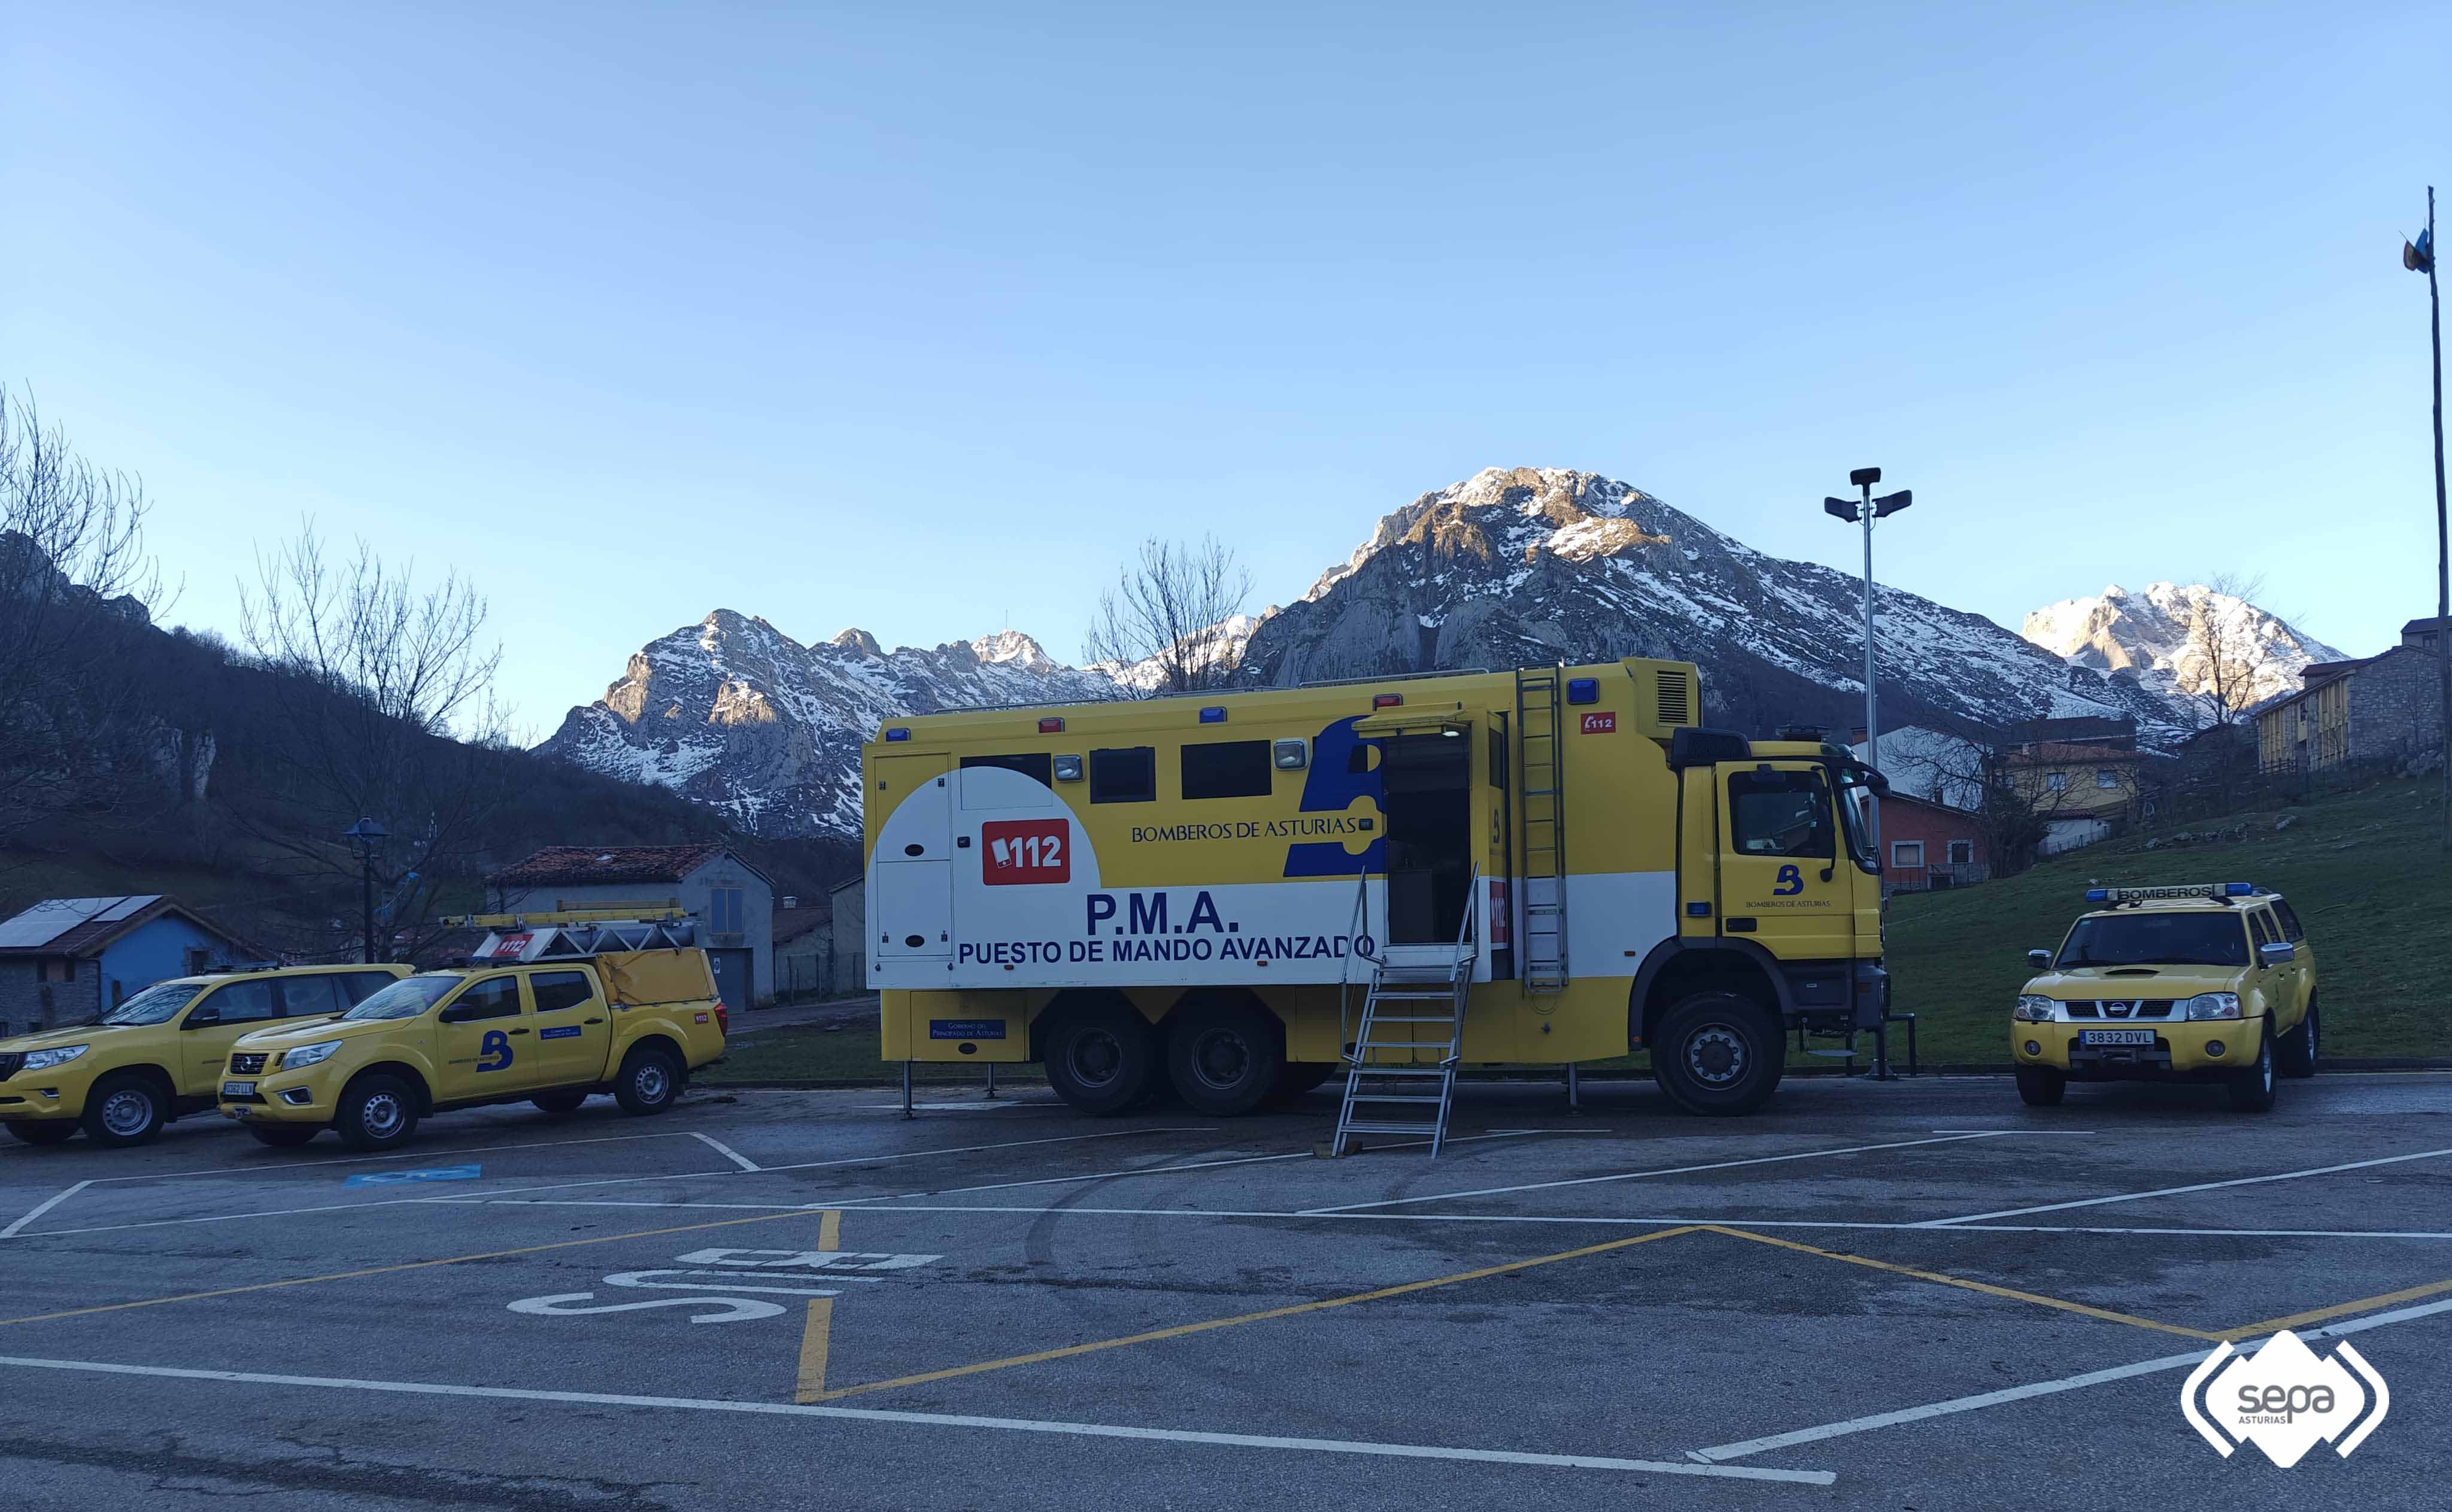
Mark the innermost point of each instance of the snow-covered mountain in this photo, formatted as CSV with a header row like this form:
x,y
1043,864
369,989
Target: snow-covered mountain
x,y
2175,640
1512,567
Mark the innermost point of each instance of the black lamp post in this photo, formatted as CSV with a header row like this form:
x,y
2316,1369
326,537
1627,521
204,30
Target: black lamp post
x,y
369,838
2419,257
1865,511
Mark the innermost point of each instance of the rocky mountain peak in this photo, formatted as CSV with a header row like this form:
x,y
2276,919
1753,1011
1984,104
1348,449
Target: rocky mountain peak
x,y
2167,637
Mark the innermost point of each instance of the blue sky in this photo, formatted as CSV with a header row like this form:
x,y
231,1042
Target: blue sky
x,y
917,318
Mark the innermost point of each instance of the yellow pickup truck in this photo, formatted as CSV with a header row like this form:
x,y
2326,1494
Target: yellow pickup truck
x,y
160,1053
552,1031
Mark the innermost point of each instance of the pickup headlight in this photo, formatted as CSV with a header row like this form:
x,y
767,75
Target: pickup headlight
x,y
2213,1004
2033,1010
44,1059
309,1054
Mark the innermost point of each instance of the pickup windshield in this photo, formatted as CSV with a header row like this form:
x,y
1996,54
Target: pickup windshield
x,y
152,1006
408,997
2157,940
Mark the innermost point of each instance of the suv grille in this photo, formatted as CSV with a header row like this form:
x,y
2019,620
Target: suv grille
x,y
247,1064
11,1062
2118,1008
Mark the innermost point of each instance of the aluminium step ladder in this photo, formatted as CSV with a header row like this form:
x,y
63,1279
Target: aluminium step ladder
x,y
1415,1003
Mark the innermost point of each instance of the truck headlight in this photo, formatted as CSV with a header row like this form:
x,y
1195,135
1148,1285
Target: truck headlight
x,y
2213,1004
2033,1010
309,1054
44,1059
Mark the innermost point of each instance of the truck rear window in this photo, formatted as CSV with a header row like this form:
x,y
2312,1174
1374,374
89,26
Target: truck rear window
x,y
1124,775
1227,768
2157,940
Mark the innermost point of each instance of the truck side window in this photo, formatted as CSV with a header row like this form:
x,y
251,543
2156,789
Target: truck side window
x,y
2291,929
1125,774
310,996
1037,765
241,1002
1227,768
495,997
1780,814
559,990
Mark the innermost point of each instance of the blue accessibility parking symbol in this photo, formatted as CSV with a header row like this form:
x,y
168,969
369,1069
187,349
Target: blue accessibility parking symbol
x,y
397,1178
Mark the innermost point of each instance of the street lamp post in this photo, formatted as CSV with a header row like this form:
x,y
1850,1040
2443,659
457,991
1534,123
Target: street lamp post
x,y
368,837
2419,257
1865,511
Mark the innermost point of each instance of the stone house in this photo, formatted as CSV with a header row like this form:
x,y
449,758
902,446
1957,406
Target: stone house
x,y
67,959
2377,708
803,949
732,901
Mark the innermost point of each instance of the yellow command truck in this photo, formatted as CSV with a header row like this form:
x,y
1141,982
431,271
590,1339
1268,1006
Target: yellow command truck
x,y
550,1009
1200,888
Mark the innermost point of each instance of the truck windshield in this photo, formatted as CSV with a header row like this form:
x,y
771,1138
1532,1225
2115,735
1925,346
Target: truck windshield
x,y
152,1006
2157,940
408,997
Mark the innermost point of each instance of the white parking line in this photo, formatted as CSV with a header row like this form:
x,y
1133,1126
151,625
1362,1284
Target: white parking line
x,y
10,1232
427,1153
1638,1175
948,1420
726,1151
1989,1399
2177,1191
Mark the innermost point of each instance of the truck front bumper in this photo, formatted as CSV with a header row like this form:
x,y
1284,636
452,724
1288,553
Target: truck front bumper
x,y
2188,1049
31,1099
298,1097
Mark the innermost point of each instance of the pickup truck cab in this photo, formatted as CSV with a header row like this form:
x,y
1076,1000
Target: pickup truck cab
x,y
2206,982
160,1053
551,1033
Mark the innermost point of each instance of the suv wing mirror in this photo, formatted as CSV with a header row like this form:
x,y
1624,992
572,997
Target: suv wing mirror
x,y
2039,961
202,1018
2280,952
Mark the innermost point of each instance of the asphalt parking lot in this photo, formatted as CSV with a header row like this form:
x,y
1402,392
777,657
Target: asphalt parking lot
x,y
1915,1295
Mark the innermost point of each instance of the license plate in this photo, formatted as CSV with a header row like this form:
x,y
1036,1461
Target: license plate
x,y
2115,1036
238,1089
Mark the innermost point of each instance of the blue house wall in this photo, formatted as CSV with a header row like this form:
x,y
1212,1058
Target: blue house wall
x,y
155,951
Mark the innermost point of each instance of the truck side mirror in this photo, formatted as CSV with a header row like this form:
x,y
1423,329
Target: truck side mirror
x,y
2280,952
202,1018
2039,961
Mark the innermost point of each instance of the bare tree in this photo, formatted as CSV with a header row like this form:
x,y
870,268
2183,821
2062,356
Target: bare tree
x,y
382,708
2226,657
1171,625
75,589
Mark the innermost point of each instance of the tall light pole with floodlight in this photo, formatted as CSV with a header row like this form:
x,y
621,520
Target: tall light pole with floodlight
x,y
1865,511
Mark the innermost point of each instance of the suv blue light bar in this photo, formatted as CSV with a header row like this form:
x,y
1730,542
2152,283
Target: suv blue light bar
x,y
898,735
1215,714
2215,891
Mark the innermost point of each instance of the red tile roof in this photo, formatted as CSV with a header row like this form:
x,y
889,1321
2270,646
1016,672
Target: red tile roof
x,y
579,865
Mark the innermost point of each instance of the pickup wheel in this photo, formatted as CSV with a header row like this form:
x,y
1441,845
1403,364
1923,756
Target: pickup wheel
x,y
377,1112
2251,1090
46,1131
284,1136
2295,1054
1718,1053
2042,1086
559,1105
1101,1058
1225,1058
126,1108
650,1080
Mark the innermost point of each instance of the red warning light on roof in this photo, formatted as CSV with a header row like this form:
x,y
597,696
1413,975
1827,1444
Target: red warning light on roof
x,y
1386,700
1051,726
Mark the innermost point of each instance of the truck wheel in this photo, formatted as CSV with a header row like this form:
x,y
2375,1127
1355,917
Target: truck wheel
x,y
284,1136
48,1132
1718,1053
1101,1058
560,1104
650,1080
126,1108
1301,1078
1225,1058
377,1112
2251,1090
2296,1053
2042,1086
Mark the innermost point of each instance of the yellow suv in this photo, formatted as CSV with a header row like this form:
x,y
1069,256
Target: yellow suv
x,y
160,1053
2208,982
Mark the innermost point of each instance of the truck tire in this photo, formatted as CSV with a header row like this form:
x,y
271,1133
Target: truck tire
x,y
2042,1086
1300,1078
1101,1058
126,1108
2295,1056
651,1081
284,1136
45,1131
377,1112
2251,1090
1718,1053
1224,1057
561,1105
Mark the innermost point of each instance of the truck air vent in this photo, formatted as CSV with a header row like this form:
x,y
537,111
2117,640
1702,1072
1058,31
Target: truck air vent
x,y
1676,699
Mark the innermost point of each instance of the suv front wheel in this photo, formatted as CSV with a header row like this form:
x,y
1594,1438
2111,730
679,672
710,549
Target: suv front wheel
x,y
2251,1090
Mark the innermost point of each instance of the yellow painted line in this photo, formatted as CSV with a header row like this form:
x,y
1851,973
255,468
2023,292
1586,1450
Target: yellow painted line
x,y
386,1270
811,1383
1181,1330
2323,1314
1990,1290
830,1228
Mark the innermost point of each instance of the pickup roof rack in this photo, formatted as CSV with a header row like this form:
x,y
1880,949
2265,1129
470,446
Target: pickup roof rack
x,y
572,934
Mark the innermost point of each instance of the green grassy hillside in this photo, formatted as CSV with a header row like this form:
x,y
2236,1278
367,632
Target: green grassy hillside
x,y
2366,871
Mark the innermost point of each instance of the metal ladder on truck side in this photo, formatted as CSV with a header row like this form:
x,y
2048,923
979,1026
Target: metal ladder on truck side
x,y
1415,1003
1538,712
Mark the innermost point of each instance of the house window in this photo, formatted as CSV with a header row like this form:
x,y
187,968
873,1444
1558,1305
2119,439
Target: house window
x,y
1128,774
723,909
197,959
1906,853
1962,852
2106,778
2056,781
1227,768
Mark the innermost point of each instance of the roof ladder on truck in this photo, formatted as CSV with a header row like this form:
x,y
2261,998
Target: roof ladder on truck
x,y
1537,713
1415,1003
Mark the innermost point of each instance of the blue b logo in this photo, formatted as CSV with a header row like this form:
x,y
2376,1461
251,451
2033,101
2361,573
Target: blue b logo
x,y
494,1051
1791,883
